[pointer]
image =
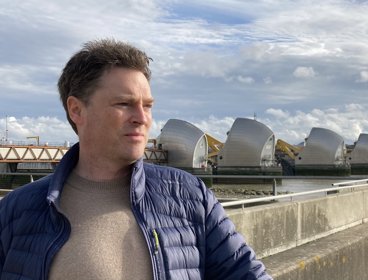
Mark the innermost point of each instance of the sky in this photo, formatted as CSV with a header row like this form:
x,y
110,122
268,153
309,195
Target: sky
x,y
290,64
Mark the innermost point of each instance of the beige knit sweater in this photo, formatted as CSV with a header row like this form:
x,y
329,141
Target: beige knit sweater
x,y
106,241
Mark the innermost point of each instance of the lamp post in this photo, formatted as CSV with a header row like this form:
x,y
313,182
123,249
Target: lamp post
x,y
6,129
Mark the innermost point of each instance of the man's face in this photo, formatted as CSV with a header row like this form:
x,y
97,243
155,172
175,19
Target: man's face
x,y
117,118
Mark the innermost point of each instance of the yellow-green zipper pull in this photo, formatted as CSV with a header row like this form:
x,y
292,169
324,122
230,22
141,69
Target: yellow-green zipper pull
x,y
157,244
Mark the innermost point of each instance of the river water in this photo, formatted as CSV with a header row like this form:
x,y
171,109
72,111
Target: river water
x,y
304,185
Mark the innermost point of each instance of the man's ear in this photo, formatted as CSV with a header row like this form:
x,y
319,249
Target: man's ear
x,y
75,108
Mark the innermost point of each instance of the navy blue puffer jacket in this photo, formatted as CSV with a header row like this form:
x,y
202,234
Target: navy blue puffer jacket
x,y
186,229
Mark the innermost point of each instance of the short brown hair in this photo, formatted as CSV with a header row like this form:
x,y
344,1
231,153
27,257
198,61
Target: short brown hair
x,y
82,72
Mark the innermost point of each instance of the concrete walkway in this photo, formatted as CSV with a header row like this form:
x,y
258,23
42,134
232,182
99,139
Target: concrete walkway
x,y
340,256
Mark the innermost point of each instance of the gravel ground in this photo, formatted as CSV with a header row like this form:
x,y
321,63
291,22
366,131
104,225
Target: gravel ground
x,y
242,191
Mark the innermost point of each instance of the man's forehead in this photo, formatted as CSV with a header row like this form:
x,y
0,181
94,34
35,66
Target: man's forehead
x,y
126,79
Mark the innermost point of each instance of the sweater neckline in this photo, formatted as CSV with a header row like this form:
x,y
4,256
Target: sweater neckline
x,y
103,186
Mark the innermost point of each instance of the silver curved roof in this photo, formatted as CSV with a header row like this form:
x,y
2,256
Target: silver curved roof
x,y
359,153
323,146
249,143
186,144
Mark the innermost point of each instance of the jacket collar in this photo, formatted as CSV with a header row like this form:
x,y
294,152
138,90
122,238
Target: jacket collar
x,y
68,163
137,181
62,171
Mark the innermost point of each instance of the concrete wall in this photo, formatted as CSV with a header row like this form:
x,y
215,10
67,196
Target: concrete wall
x,y
277,227
316,239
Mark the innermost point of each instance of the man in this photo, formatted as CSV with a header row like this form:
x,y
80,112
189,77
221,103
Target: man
x,y
103,213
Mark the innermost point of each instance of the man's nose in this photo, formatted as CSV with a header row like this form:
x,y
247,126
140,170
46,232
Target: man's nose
x,y
140,115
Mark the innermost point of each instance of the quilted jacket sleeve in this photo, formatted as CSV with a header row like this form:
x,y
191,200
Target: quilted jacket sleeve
x,y
2,256
227,254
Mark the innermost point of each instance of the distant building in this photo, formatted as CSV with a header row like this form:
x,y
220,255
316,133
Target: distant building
x,y
249,150
186,144
323,154
249,143
358,158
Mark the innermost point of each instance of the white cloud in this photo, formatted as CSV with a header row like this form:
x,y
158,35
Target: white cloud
x,y
20,78
267,80
206,64
354,108
278,113
245,80
48,129
156,128
363,77
304,72
201,61
348,121
216,127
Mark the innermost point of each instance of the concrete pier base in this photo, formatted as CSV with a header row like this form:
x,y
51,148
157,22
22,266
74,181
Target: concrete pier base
x,y
252,170
359,169
322,170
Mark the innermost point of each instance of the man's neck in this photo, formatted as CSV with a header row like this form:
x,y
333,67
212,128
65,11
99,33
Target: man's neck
x,y
100,170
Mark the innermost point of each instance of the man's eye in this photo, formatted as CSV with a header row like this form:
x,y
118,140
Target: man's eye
x,y
148,107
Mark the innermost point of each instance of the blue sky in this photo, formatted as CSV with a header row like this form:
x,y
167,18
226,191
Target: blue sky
x,y
293,64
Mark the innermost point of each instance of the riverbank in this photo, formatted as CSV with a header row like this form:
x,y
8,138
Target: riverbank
x,y
223,191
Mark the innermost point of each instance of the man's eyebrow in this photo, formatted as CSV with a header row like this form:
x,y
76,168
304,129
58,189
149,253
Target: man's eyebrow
x,y
149,100
132,98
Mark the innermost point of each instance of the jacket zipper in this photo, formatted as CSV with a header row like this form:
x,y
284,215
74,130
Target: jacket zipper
x,y
156,242
154,254
47,255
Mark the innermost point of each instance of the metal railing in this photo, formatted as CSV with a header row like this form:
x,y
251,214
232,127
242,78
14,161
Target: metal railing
x,y
338,186
354,182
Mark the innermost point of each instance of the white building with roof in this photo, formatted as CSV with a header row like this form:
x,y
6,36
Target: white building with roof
x,y
249,143
186,144
323,153
358,157
359,154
